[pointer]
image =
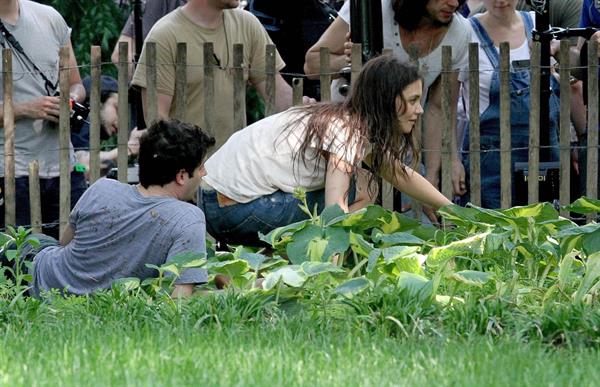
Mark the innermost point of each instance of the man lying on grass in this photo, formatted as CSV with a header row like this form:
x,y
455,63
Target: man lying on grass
x,y
116,229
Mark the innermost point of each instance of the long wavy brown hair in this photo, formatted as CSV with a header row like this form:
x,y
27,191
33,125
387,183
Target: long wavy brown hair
x,y
369,115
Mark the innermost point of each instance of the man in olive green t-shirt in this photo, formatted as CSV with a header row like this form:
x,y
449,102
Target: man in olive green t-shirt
x,y
218,22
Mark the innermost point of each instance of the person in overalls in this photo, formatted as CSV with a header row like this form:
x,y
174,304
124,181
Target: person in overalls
x,y
498,24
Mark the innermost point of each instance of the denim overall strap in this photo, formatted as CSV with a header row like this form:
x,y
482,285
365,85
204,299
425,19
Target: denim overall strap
x,y
487,44
528,21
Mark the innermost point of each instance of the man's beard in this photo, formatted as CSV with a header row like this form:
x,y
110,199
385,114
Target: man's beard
x,y
439,23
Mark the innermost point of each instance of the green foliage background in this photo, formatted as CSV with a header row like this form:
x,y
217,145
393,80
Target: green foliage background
x,y
94,22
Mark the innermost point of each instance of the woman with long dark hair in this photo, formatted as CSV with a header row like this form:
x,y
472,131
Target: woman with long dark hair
x,y
320,148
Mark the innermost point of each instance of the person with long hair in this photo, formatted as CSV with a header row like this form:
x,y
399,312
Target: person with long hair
x,y
250,180
501,22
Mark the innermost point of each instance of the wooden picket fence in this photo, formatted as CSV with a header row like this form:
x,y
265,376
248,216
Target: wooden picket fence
x,y
238,106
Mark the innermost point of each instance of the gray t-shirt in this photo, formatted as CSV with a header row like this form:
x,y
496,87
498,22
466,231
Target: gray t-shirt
x,y
117,232
41,31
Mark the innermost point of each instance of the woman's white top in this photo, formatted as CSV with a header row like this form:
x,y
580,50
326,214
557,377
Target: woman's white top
x,y
260,159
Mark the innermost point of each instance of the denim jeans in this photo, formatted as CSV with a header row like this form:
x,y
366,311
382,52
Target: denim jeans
x,y
50,195
240,223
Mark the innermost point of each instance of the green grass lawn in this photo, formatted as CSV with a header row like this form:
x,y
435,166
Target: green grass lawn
x,y
107,341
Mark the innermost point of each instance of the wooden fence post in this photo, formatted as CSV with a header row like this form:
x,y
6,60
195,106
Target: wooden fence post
x,y
95,106
123,132
325,77
298,91
356,61
64,139
209,87
505,129
533,164
565,126
413,53
35,204
592,134
9,140
151,107
271,86
180,81
474,127
447,127
239,88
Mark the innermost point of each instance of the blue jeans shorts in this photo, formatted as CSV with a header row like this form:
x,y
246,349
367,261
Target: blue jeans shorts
x,y
240,223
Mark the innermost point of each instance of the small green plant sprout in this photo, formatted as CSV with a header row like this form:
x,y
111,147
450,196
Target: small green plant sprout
x,y
170,271
14,243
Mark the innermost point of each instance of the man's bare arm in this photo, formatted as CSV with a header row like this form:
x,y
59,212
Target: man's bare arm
x,y
283,93
67,235
163,105
114,57
333,38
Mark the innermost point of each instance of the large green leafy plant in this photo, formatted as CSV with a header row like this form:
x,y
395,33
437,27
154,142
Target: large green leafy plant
x,y
93,22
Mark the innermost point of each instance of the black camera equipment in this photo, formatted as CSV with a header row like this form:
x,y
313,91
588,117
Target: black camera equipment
x,y
544,34
366,28
135,97
79,114
549,171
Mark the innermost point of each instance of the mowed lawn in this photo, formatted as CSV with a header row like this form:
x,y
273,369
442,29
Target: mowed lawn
x,y
81,342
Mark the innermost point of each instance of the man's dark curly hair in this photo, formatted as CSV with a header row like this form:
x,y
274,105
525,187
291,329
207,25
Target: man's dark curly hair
x,y
168,147
408,13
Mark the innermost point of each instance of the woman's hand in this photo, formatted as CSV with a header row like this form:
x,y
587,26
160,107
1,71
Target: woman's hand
x,y
459,183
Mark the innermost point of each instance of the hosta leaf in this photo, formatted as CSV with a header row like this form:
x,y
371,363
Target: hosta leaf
x,y
365,218
591,242
415,285
540,212
316,249
584,205
373,259
359,245
312,269
170,268
338,241
565,271
471,245
395,252
592,273
297,250
397,238
330,213
231,268
409,264
255,260
352,286
188,259
275,235
273,263
290,275
471,277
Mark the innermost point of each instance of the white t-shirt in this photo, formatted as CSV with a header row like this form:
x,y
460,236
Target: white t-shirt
x,y
485,73
260,159
457,36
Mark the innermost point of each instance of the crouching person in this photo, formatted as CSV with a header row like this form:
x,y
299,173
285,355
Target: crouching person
x,y
115,229
321,148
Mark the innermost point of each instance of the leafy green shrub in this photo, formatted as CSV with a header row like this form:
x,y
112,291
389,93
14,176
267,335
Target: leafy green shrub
x,y
94,22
